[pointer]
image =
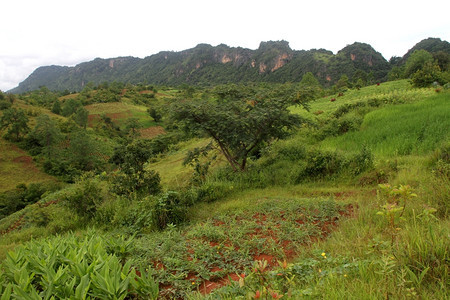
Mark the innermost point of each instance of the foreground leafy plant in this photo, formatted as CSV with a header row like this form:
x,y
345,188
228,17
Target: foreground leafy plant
x,y
75,268
396,199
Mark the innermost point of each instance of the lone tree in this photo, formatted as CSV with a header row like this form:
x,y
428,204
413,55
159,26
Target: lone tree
x,y
132,127
15,122
46,133
155,114
81,117
241,119
132,175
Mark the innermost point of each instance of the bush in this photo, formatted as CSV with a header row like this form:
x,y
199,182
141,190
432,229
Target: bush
x,y
86,196
336,127
212,191
169,209
362,161
54,218
62,169
163,142
426,76
4,104
374,102
321,164
17,199
131,216
142,182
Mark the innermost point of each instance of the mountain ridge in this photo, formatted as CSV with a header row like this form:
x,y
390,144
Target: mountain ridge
x,y
273,61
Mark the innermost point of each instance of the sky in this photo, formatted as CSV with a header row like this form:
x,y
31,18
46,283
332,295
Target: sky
x,y
67,32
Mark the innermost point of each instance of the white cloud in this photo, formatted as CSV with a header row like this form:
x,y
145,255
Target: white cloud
x,y
68,32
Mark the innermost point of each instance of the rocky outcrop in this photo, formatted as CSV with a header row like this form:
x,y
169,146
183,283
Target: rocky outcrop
x,y
273,61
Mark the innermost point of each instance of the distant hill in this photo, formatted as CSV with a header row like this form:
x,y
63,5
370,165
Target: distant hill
x,y
273,61
431,45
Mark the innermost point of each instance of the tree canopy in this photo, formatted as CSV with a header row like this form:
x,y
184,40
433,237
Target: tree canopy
x,y
241,119
15,122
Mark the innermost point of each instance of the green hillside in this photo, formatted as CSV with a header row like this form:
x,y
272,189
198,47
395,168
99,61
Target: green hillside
x,y
342,195
208,65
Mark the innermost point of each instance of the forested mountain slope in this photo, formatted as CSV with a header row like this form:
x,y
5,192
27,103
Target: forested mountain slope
x,y
208,65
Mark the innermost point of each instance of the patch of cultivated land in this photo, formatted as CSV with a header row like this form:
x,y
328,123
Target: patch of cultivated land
x,y
16,167
209,254
116,111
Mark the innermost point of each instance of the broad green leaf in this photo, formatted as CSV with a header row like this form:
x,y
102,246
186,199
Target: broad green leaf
x,y
6,294
83,288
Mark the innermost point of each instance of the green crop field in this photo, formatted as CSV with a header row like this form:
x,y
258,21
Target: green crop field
x,y
416,128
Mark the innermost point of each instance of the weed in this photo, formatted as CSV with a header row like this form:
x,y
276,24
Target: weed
x,y
395,201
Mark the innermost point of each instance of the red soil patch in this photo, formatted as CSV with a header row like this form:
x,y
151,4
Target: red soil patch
x,y
115,117
48,203
219,223
23,159
16,225
146,92
207,286
93,119
27,163
151,132
345,195
16,149
271,260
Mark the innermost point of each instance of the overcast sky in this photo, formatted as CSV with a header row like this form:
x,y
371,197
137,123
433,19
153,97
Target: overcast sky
x,y
66,32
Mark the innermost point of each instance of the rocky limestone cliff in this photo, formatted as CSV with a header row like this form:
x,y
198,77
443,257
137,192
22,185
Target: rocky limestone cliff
x,y
273,61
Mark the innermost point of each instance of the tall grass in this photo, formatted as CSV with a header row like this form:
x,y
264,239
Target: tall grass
x,y
416,128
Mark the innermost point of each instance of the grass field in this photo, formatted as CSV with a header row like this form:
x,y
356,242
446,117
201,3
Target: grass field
x,y
391,91
415,128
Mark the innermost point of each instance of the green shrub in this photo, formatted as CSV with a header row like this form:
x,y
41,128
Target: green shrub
x,y
23,195
40,216
374,102
346,108
426,76
145,182
291,150
212,191
55,218
336,127
361,161
163,142
86,196
169,209
130,216
321,164
4,104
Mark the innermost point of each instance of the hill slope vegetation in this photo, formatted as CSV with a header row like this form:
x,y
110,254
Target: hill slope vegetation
x,y
351,195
